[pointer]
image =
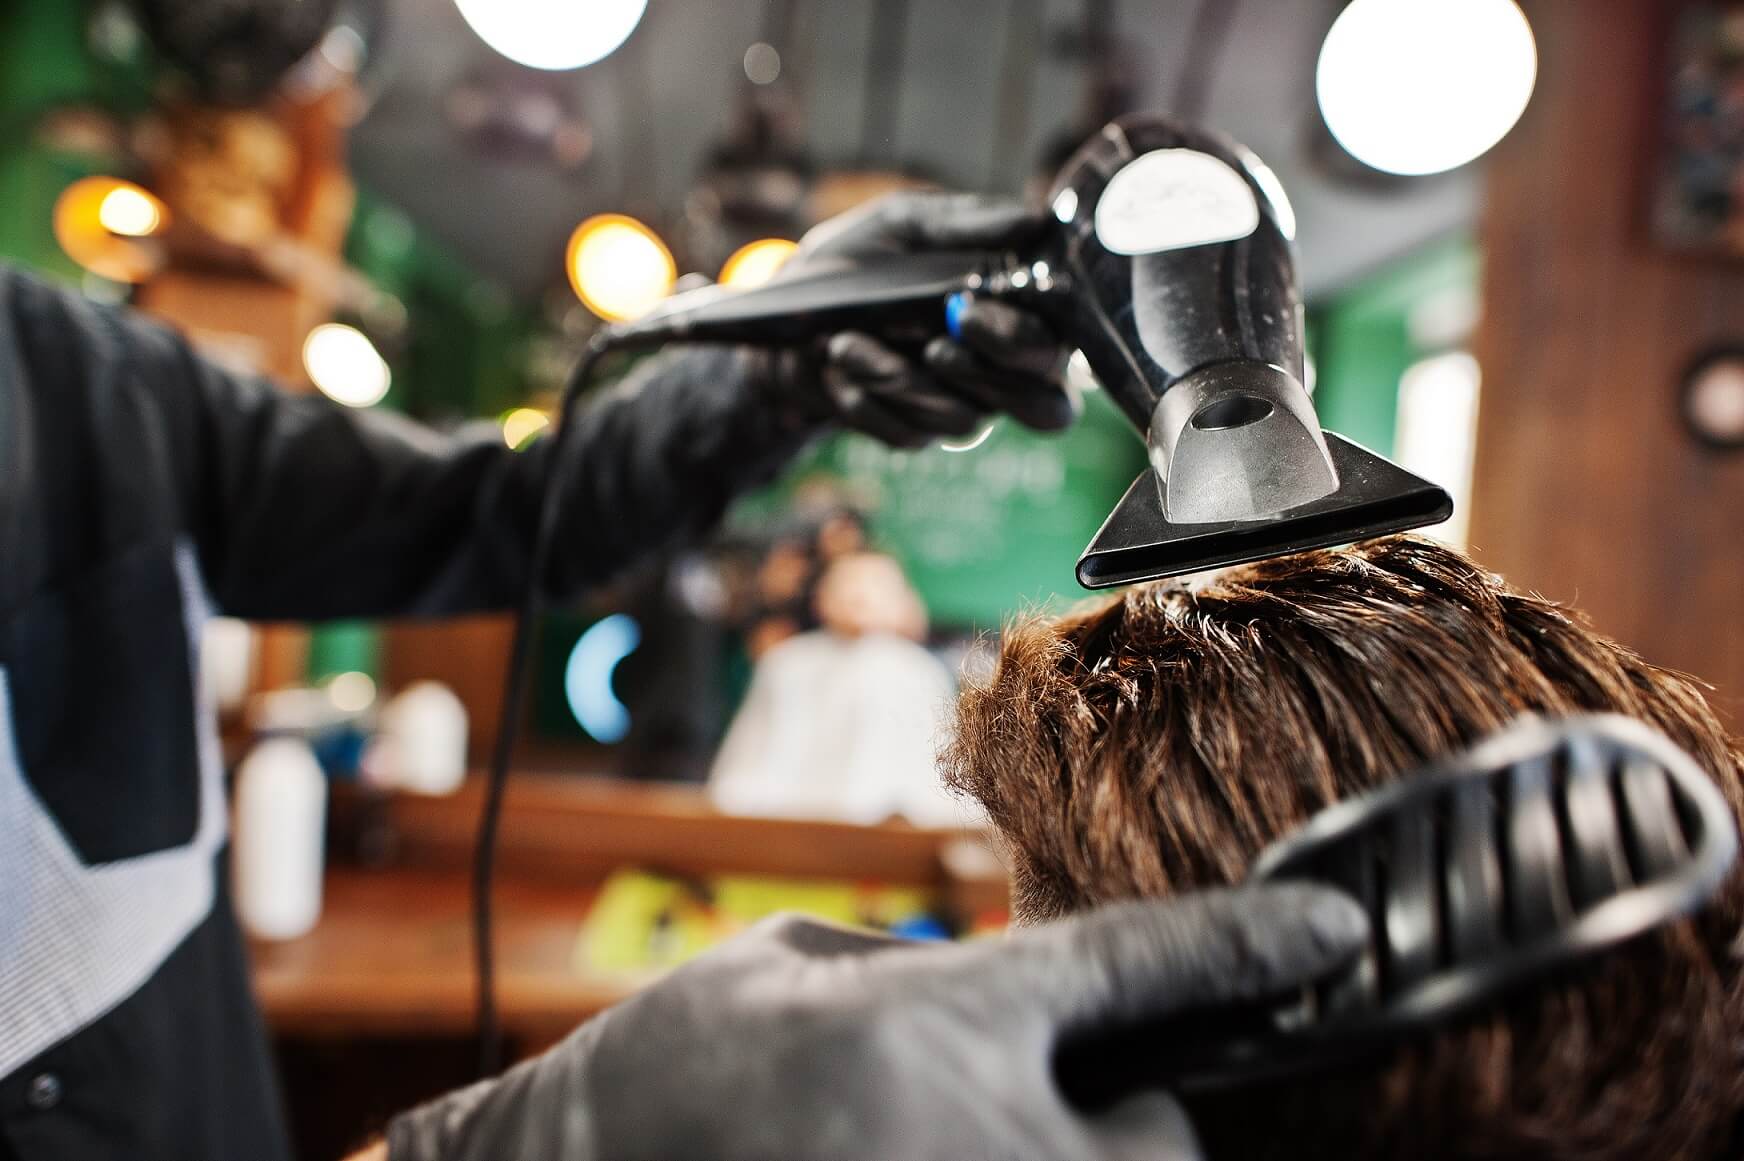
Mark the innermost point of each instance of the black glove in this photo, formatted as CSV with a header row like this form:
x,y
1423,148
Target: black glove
x,y
801,1040
1008,361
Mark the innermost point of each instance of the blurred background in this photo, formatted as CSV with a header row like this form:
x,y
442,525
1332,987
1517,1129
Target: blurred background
x,y
1520,239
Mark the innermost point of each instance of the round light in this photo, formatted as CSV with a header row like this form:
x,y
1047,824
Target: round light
x,y
587,676
345,366
351,693
99,222
619,267
128,210
522,424
755,263
1713,399
762,64
553,34
1422,86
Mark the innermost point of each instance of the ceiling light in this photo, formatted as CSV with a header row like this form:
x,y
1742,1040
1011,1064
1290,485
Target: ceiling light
x,y
345,366
755,263
100,223
130,211
553,34
762,64
1422,86
620,268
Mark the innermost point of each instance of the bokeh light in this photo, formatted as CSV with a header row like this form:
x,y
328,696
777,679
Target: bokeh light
x,y
553,34
130,211
345,366
101,222
755,263
522,424
587,676
762,64
1422,86
619,267
352,692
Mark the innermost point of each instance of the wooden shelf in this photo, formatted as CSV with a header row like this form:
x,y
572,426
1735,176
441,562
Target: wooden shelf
x,y
569,827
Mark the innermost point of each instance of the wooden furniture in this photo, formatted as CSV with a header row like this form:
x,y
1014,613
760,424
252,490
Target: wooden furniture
x,y
1588,486
373,1010
392,957
470,655
392,954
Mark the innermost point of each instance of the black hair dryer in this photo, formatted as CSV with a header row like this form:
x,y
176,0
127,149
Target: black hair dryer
x,y
1178,247
1168,262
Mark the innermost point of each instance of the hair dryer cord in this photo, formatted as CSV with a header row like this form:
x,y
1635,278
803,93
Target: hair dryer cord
x,y
514,699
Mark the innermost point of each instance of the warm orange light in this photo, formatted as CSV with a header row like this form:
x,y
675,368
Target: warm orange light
x,y
345,366
100,221
130,211
755,263
619,267
522,424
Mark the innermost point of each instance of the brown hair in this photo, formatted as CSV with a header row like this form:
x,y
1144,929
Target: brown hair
x,y
1157,740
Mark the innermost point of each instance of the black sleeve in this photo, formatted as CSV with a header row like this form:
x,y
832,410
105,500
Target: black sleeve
x,y
303,509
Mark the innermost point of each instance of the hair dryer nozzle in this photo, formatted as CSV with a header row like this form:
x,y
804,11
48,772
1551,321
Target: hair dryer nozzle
x,y
1372,497
1237,441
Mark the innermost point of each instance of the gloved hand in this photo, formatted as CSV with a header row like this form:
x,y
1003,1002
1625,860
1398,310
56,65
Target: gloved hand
x,y
1008,359
800,1040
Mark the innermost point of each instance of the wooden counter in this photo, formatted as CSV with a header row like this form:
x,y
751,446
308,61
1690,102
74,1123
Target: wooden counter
x,y
372,1011
392,957
392,954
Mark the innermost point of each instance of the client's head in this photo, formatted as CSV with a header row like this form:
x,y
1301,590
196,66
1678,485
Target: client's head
x,y
1157,740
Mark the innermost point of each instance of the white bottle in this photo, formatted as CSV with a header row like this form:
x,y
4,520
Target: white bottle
x,y
279,844
423,739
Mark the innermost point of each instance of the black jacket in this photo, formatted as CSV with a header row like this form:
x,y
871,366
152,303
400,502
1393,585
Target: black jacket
x,y
140,489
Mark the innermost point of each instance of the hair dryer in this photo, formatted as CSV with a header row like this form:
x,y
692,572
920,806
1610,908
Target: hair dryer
x,y
1168,262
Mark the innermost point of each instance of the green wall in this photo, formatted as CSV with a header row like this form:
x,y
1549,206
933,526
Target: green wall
x,y
986,532
1361,339
46,63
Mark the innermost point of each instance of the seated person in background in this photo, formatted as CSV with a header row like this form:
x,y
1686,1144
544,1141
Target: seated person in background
x,y
843,722
1157,741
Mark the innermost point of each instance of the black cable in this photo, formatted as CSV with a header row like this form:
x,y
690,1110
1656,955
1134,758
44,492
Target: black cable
x,y
490,1046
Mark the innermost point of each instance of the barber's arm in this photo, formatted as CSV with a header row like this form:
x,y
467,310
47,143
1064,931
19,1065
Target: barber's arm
x,y
800,1040
304,509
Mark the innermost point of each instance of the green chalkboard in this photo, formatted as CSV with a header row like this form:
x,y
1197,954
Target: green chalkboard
x,y
985,532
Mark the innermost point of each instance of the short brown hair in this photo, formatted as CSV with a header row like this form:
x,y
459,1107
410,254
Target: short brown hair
x,y
1157,740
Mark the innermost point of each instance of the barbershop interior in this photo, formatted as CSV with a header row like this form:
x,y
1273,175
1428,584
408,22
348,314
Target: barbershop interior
x,y
817,578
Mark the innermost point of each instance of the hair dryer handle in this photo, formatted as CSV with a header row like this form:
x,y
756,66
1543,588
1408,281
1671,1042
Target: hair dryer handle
x,y
899,298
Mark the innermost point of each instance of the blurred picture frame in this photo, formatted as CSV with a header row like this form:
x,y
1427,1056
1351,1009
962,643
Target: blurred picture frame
x,y
1698,194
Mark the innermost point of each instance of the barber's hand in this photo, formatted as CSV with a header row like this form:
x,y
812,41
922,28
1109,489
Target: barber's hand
x,y
800,1040
1008,360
